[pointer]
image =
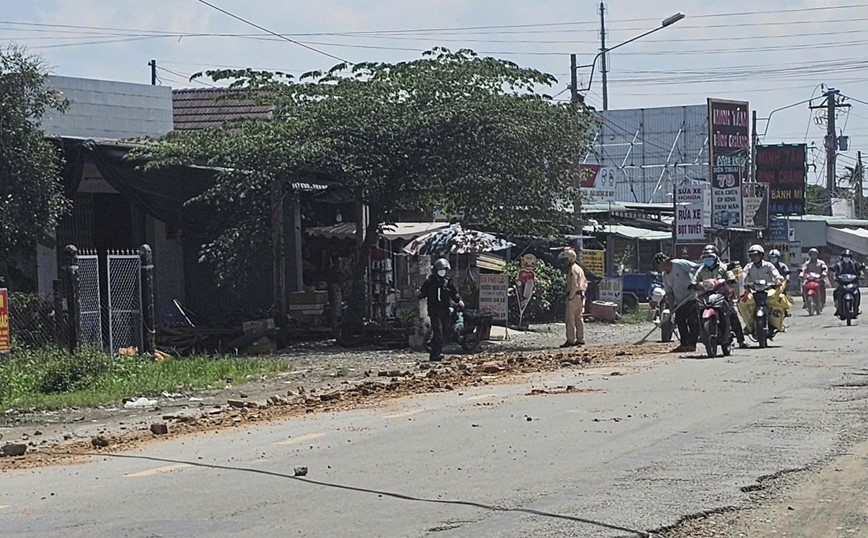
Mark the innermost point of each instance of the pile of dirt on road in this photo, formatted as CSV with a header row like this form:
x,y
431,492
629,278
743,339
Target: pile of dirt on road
x,y
375,387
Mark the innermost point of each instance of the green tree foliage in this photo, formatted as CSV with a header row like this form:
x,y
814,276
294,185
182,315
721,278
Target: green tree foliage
x,y
31,195
471,134
549,295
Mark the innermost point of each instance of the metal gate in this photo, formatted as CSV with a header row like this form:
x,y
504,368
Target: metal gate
x,y
124,300
90,300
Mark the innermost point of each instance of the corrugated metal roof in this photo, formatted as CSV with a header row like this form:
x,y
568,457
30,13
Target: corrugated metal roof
x,y
631,232
204,108
837,222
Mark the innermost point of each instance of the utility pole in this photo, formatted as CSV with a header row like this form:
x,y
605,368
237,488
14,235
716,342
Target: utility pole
x,y
603,58
754,143
860,177
831,106
153,64
574,81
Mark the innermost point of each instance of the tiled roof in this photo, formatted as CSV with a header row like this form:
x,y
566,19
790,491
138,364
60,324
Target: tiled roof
x,y
210,107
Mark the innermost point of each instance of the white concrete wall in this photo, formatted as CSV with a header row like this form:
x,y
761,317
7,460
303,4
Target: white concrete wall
x,y
108,109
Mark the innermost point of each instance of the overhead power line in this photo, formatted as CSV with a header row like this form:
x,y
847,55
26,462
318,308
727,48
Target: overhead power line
x,y
264,29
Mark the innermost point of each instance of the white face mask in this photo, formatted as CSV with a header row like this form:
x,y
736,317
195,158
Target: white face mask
x,y
441,272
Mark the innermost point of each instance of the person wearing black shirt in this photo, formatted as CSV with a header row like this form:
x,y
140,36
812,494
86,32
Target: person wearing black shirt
x,y
440,293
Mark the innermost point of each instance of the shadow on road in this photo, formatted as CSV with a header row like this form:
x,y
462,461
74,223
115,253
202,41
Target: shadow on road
x,y
401,496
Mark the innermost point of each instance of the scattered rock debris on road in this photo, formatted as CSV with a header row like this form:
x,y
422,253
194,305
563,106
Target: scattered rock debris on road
x,y
452,373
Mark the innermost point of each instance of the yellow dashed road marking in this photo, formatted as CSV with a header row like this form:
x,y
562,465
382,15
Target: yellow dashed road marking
x,y
301,439
482,396
2,506
158,470
403,414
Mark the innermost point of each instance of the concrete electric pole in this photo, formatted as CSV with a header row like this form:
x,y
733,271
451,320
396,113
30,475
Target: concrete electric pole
x,y
603,59
832,104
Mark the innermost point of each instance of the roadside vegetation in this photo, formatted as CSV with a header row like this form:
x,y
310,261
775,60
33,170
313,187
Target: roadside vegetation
x,y
54,378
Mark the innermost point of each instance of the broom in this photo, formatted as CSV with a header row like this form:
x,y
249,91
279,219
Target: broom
x,y
656,326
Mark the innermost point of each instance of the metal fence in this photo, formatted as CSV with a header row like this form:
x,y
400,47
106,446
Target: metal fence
x,y
89,299
94,304
34,321
124,300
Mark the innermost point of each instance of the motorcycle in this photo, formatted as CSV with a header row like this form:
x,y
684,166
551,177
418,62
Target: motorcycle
x,y
663,316
467,326
849,284
763,330
712,303
812,293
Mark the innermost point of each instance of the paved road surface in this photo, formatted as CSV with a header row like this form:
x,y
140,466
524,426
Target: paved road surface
x,y
637,451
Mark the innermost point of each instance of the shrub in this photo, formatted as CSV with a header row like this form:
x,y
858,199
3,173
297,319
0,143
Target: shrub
x,y
549,294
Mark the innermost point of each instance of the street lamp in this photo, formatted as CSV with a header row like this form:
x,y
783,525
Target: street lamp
x,y
668,21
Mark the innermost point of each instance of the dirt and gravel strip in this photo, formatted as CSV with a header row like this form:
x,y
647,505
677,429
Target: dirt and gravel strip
x,y
64,441
829,501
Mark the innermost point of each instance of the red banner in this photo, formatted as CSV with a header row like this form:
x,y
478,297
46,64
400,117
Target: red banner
x,y
5,343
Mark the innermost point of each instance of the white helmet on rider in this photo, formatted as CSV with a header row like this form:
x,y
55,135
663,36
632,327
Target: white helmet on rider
x,y
813,254
756,249
774,254
709,256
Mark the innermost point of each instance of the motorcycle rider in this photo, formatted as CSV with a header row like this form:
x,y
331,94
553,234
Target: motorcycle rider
x,y
759,269
677,280
775,259
814,265
712,267
440,292
847,265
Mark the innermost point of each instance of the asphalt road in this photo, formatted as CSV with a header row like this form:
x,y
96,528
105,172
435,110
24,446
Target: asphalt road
x,y
634,452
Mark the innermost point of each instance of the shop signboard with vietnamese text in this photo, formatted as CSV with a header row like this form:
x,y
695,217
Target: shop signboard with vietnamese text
x,y
729,148
783,168
493,290
595,261
597,184
611,290
5,338
689,211
755,201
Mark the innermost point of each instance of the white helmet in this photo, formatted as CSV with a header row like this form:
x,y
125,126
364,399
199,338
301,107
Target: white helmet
x,y
774,253
756,249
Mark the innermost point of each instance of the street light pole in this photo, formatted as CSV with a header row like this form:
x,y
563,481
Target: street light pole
x,y
668,21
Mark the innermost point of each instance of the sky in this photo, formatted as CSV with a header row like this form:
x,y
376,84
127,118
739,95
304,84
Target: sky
x,y
772,53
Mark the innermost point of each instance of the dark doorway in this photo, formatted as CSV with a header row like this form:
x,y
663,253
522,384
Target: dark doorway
x,y
112,222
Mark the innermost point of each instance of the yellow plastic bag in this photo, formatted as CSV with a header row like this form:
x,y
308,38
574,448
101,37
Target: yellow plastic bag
x,y
778,302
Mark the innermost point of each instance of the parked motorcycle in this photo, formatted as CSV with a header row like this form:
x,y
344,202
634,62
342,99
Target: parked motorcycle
x,y
812,292
847,309
664,317
712,303
763,330
467,327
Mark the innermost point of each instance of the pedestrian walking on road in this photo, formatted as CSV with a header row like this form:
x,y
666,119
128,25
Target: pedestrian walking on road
x,y
577,285
440,293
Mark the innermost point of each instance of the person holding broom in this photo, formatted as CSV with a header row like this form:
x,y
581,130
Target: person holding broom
x,y
677,282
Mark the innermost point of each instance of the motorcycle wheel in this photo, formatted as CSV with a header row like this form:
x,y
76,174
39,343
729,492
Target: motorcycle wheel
x,y
709,337
350,333
666,329
812,305
761,333
471,340
848,312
